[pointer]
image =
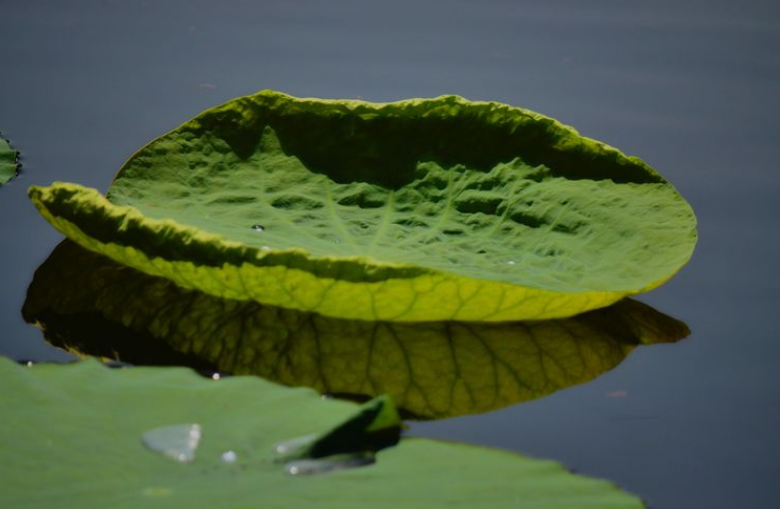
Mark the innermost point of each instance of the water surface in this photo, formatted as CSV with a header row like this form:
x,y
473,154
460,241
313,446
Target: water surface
x,y
691,87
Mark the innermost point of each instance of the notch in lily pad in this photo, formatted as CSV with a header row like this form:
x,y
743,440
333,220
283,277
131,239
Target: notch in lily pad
x,y
375,426
353,443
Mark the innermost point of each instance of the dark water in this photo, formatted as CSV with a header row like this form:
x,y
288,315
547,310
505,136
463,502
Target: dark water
x,y
691,87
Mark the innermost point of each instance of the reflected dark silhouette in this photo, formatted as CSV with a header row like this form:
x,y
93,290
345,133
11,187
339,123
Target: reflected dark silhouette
x,y
89,304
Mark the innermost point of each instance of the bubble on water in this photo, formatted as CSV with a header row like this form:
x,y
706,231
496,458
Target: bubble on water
x,y
178,442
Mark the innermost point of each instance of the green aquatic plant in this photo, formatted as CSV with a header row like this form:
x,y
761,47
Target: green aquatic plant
x,y
85,436
298,239
9,161
89,304
419,210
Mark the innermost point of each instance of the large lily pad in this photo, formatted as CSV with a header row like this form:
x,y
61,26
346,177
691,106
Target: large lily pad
x,y
9,161
84,436
437,209
88,303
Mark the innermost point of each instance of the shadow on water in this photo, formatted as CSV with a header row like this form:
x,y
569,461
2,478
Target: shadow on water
x,y
89,304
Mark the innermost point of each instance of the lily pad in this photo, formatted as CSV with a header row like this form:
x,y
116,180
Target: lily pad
x,y
72,437
90,304
419,210
9,161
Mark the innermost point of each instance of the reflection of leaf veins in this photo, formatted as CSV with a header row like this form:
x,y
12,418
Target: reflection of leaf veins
x,y
86,302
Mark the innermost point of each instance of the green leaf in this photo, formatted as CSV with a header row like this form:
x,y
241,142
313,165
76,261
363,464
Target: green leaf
x,y
9,165
91,304
420,210
78,436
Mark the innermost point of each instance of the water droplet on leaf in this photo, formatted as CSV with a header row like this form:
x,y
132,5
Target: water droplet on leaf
x,y
329,464
177,442
287,447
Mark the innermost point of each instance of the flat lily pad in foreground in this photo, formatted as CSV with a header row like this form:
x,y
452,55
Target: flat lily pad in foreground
x,y
419,210
73,437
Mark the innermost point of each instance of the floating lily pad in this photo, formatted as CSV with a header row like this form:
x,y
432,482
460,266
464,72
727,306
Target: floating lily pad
x,y
419,210
71,438
90,304
9,161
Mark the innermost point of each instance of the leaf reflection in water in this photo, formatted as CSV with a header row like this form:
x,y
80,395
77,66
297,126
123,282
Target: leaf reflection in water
x,y
87,303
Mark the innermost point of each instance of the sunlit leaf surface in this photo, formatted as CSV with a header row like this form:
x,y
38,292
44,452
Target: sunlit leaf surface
x,y
420,210
73,437
88,303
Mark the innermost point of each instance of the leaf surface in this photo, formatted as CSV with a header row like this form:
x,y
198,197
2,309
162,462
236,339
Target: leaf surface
x,y
72,436
420,210
88,303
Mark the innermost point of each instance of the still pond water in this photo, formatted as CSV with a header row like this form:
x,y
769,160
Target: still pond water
x,y
691,87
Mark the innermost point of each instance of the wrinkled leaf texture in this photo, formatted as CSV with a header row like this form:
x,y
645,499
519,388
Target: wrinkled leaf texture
x,y
418,210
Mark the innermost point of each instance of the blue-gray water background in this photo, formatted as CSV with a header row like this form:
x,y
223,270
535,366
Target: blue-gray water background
x,y
692,87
